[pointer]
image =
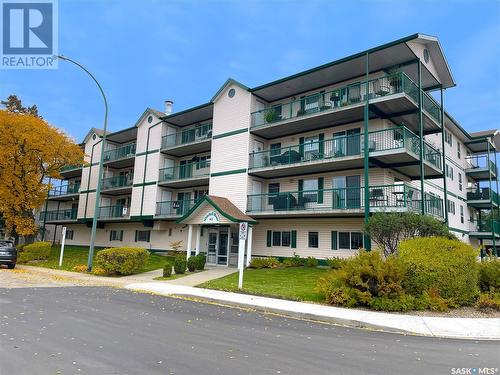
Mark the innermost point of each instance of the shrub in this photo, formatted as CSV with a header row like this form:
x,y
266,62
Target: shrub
x,y
311,262
269,262
489,274
295,261
34,251
390,229
98,271
122,260
447,266
362,278
167,269
488,301
191,264
334,263
180,264
403,302
200,259
80,268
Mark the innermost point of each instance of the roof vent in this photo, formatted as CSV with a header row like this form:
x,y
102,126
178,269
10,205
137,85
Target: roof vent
x,y
168,107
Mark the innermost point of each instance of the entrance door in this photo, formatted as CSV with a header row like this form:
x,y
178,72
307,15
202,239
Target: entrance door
x,y
222,253
213,239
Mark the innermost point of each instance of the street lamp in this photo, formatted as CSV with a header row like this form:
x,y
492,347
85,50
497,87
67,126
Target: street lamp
x,y
101,159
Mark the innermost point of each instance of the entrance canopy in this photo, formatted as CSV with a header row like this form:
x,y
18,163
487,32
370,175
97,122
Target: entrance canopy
x,y
215,210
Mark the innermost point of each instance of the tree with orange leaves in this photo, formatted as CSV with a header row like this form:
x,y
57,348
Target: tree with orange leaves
x,y
31,152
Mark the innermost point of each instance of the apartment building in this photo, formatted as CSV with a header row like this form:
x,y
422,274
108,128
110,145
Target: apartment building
x,y
305,160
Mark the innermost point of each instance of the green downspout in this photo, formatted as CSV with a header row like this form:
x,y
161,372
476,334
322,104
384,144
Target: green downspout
x,y
444,160
491,199
146,165
45,213
88,179
421,126
367,240
496,180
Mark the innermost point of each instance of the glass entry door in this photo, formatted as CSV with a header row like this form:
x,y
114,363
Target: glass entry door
x,y
213,239
222,253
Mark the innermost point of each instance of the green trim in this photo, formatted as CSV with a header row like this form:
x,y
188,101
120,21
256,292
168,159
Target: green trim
x,y
458,230
212,203
88,191
147,152
142,217
145,184
228,134
225,173
293,240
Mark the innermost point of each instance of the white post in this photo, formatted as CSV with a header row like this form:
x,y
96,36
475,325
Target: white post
x,y
198,240
249,245
63,235
190,237
241,252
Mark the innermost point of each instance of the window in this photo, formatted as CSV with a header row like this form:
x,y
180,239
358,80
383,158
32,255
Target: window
x,y
461,214
310,188
69,234
350,240
203,162
449,172
274,190
311,147
142,235
276,238
448,138
460,186
280,238
458,151
451,207
285,238
116,235
314,239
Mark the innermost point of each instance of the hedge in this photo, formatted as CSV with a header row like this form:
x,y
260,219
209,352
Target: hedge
x,y
34,251
122,260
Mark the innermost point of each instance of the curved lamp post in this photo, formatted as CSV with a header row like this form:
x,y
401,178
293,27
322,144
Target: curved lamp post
x,y
101,159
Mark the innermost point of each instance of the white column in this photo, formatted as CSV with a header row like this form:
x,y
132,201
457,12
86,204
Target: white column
x,y
249,245
198,240
241,262
190,237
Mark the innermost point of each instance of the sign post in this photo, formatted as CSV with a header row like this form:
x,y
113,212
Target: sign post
x,y
63,235
241,252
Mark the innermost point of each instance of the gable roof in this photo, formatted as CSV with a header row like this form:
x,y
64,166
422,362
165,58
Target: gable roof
x,y
228,82
98,132
223,205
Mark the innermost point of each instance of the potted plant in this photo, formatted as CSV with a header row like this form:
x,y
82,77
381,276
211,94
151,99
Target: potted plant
x,y
271,115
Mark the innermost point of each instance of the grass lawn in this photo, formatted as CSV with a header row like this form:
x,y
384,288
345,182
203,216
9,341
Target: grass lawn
x,y
75,255
294,283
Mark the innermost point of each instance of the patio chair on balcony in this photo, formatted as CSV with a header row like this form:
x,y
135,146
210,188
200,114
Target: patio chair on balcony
x,y
378,198
354,94
289,157
380,89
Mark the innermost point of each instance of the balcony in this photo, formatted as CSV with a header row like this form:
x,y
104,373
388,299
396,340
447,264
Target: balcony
x,y
70,171
192,140
115,212
398,148
120,157
481,168
65,192
486,228
186,175
117,185
61,216
174,209
343,202
482,198
394,95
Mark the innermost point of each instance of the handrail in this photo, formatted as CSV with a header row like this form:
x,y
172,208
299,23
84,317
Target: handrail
x,y
122,152
186,136
116,181
65,189
113,211
174,207
194,169
58,215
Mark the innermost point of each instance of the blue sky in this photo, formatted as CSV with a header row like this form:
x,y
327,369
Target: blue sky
x,y
144,52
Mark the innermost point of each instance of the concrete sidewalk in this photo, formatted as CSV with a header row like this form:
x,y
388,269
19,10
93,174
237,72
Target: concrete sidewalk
x,y
469,328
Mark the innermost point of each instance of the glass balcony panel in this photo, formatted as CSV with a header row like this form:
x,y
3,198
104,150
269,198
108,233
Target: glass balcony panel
x,y
187,136
117,182
121,152
175,207
196,169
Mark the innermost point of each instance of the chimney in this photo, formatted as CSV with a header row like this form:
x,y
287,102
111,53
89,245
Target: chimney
x,y
168,107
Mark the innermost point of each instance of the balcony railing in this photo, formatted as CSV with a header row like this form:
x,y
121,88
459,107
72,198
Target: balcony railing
x,y
400,197
122,152
481,162
116,182
58,215
174,208
197,169
483,194
111,212
348,145
66,189
187,136
488,225
345,96
70,167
